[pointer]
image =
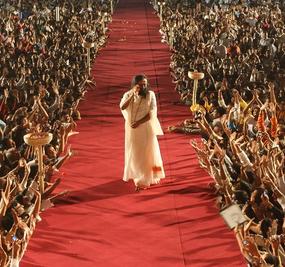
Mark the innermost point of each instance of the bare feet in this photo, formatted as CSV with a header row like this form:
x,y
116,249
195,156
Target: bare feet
x,y
140,187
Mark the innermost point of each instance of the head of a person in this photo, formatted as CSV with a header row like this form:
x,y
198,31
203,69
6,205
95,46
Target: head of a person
x,y
255,197
8,143
218,112
271,260
218,129
142,82
50,151
22,121
281,131
265,227
240,197
255,112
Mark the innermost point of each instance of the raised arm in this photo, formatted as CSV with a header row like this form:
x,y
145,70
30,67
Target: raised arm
x,y
129,97
272,93
3,255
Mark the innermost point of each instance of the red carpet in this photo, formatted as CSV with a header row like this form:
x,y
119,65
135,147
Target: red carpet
x,y
103,222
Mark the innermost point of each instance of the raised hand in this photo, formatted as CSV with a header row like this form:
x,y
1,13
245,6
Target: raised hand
x,y
135,89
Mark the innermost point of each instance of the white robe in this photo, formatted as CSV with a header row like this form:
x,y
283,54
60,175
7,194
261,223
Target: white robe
x,y
143,162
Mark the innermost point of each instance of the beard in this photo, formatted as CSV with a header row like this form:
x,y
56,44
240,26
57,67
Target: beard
x,y
143,91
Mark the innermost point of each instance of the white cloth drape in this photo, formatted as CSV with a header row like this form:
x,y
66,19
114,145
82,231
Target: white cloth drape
x,y
143,162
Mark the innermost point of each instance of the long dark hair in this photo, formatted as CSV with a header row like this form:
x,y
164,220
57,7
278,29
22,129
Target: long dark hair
x,y
136,79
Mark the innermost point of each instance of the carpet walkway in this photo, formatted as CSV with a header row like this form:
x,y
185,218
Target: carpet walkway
x,y
103,222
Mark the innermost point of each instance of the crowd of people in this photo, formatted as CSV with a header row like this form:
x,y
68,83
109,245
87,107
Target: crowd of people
x,y
44,73
240,110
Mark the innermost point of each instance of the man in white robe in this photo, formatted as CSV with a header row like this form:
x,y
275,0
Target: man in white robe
x,y
143,162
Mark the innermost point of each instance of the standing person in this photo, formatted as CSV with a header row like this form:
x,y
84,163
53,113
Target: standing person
x,y
143,162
